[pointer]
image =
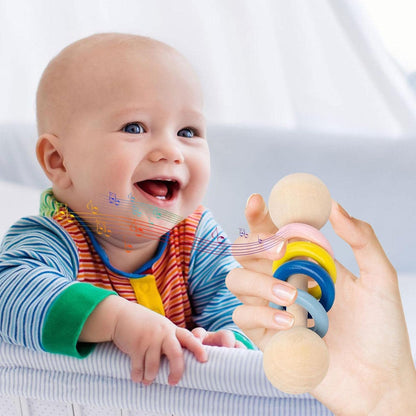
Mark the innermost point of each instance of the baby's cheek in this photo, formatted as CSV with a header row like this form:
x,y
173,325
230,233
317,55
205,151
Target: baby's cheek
x,y
119,169
203,171
198,188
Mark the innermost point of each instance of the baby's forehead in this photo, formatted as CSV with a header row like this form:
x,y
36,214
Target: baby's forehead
x,y
110,55
96,64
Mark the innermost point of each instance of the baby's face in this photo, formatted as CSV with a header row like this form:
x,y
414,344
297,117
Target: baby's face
x,y
136,129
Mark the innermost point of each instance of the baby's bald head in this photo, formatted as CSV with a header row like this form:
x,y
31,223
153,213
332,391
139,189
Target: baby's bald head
x,y
80,74
122,113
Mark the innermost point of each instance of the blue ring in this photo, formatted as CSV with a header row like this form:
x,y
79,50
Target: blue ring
x,y
313,270
315,309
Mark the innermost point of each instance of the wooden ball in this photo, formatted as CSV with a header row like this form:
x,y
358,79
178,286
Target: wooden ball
x,y
300,197
296,361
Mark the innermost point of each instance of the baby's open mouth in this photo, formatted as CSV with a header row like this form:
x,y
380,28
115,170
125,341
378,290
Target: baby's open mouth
x,y
166,189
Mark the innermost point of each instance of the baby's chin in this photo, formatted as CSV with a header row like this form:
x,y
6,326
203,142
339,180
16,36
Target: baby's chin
x,y
130,222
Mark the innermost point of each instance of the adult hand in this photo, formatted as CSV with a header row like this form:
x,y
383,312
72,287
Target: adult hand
x,y
371,368
253,284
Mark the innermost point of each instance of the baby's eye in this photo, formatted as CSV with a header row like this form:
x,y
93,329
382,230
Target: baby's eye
x,y
187,132
133,128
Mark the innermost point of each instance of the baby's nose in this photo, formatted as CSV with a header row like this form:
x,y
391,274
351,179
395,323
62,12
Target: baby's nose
x,y
167,150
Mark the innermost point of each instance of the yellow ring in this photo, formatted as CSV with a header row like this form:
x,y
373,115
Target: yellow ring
x,y
315,252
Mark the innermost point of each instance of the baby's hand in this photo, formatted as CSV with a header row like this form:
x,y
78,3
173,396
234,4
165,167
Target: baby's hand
x,y
223,338
145,336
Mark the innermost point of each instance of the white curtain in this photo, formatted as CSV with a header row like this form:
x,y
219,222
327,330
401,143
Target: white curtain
x,y
308,65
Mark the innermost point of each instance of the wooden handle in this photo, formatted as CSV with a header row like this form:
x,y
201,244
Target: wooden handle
x,y
297,360
300,281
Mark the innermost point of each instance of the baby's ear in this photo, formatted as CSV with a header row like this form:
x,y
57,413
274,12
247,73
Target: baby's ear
x,y
50,157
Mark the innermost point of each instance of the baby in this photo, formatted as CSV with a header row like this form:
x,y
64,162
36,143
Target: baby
x,y
122,139
121,127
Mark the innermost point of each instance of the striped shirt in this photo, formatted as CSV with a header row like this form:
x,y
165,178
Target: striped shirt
x,y
53,273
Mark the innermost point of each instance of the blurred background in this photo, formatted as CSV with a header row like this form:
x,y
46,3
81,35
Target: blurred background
x,y
322,86
339,66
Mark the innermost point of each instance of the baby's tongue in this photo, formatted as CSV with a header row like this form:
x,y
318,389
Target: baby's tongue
x,y
154,188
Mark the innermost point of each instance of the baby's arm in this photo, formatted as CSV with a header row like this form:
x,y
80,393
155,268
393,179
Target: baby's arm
x,y
143,335
42,307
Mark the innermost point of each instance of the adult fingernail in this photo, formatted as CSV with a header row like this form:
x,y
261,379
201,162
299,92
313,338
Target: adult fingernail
x,y
285,295
173,381
279,247
343,212
284,320
249,198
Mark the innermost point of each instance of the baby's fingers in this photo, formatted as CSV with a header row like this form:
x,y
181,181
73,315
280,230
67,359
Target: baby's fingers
x,y
137,366
221,338
151,364
192,343
173,351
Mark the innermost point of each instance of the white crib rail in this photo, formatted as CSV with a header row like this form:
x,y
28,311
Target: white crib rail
x,y
231,383
20,406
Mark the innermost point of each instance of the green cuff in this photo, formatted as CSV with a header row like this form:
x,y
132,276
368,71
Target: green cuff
x,y
244,340
67,316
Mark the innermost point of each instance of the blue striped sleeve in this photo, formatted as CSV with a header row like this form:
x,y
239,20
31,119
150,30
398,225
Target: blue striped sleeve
x,y
42,307
211,260
38,260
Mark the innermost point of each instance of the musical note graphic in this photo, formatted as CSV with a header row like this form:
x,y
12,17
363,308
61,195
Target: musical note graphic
x,y
141,209
100,225
102,228
112,199
64,214
243,232
127,247
92,208
216,236
156,213
136,211
137,230
149,210
143,226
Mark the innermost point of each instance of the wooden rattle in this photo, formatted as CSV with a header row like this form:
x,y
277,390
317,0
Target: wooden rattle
x,y
295,361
